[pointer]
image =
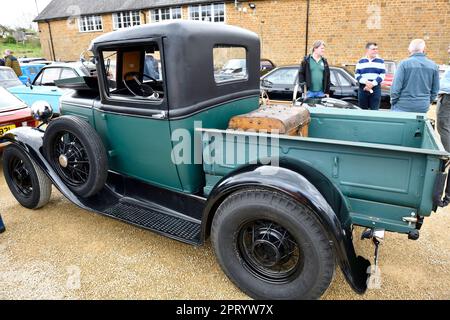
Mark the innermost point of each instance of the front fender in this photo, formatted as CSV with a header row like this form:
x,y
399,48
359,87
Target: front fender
x,y
30,140
298,187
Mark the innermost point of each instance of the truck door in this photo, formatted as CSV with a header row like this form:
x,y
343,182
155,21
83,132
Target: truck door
x,y
132,115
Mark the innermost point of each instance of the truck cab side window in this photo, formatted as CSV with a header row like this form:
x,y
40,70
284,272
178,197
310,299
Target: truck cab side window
x,y
134,73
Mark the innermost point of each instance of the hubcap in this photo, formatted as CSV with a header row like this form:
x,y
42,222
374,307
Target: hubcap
x,y
63,161
269,251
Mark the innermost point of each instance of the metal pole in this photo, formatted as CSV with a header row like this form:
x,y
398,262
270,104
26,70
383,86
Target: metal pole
x,y
307,27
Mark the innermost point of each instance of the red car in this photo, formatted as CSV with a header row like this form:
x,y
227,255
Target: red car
x,y
13,113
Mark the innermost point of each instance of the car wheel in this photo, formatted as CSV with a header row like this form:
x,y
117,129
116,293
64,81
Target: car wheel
x,y
271,246
27,182
76,152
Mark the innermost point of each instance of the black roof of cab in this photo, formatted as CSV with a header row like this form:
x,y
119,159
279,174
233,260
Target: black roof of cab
x,y
188,60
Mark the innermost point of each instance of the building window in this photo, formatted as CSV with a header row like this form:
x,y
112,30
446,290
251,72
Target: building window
x,y
90,23
126,19
158,15
208,12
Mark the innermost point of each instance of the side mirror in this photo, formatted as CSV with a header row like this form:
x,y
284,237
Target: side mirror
x,y
42,111
29,85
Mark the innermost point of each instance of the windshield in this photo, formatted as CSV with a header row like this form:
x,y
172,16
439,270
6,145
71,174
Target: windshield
x,y
8,100
282,76
7,74
390,67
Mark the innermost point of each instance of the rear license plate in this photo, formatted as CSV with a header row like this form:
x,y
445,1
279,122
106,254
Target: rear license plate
x,y
5,129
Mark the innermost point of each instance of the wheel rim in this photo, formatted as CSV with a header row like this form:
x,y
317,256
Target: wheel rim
x,y
70,158
21,177
269,251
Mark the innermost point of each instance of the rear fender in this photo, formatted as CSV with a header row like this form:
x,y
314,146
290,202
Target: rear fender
x,y
302,190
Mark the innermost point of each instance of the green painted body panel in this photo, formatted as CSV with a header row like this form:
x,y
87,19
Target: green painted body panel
x,y
384,163
138,147
84,113
191,174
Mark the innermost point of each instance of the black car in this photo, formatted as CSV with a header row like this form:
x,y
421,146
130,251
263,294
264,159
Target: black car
x,y
279,85
266,66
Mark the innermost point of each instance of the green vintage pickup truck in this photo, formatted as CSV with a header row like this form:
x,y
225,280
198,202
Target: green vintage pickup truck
x,y
146,141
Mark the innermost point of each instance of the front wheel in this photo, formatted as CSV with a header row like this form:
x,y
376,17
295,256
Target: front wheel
x,y
27,182
271,246
77,154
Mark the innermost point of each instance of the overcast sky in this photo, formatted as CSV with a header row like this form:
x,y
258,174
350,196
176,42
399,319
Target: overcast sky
x,y
20,13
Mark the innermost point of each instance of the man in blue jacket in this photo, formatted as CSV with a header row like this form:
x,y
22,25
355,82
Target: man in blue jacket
x,y
416,81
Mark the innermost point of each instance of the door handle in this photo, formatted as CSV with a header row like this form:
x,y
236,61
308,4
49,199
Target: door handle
x,y
161,115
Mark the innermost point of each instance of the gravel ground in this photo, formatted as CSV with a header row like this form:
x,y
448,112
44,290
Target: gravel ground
x,y
63,252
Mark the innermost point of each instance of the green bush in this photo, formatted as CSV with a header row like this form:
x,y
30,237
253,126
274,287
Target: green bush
x,y
10,40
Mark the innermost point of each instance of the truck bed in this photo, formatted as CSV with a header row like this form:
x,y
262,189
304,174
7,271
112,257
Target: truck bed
x,y
384,163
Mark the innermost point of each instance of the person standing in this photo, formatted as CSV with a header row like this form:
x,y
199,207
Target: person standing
x,y
416,81
370,72
12,62
443,109
314,72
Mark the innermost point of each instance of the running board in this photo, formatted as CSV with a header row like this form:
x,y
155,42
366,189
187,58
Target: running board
x,y
169,213
159,222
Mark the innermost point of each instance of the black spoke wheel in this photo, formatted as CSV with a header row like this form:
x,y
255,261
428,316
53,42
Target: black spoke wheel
x,y
28,184
21,177
73,160
271,246
76,153
270,252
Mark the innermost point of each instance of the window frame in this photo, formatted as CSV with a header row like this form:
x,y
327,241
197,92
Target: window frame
x,y
231,81
131,105
122,17
159,13
213,8
86,18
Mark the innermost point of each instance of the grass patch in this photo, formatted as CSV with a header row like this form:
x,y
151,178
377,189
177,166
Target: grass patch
x,y
21,50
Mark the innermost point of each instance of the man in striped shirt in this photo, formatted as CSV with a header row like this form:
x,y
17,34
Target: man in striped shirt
x,y
370,72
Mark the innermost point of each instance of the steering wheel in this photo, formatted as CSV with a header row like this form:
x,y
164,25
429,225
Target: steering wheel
x,y
145,90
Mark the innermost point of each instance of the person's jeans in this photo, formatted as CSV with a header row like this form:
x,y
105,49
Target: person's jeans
x,y
443,119
2,226
315,94
367,100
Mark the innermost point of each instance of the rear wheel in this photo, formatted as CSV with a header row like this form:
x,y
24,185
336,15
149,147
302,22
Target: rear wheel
x,y
271,246
76,152
27,182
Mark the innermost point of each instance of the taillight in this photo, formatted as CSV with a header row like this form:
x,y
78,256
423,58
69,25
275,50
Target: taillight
x,y
31,123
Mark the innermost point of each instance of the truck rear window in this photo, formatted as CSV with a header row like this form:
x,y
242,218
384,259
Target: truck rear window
x,y
230,63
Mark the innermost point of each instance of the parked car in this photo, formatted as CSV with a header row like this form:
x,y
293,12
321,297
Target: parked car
x,y
13,113
8,78
266,66
279,85
280,211
43,86
443,68
29,72
445,81
30,60
391,68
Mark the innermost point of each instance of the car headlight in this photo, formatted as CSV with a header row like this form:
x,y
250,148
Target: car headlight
x,y
42,111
